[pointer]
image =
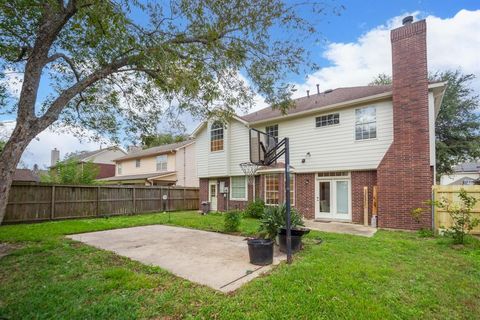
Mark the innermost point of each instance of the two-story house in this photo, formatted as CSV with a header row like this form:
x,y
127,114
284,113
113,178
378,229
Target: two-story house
x,y
102,158
341,141
170,165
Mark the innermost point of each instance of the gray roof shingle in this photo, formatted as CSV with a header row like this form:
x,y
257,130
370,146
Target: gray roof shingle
x,y
155,150
317,101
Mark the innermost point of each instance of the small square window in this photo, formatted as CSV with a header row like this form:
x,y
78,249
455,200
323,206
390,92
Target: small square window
x,y
327,120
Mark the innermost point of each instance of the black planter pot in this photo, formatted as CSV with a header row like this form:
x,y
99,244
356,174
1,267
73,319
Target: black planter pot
x,y
260,251
296,236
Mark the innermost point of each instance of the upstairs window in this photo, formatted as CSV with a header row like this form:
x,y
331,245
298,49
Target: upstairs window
x,y
119,168
162,162
327,120
272,130
137,163
365,123
216,137
238,188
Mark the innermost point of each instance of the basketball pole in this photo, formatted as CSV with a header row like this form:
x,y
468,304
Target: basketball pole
x,y
287,201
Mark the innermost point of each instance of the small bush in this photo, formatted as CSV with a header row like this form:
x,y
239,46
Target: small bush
x,y
255,209
232,220
273,218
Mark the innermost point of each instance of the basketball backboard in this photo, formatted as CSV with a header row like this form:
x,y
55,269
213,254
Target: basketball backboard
x,y
261,145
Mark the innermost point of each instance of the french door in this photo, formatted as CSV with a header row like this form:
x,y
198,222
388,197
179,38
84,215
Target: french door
x,y
333,199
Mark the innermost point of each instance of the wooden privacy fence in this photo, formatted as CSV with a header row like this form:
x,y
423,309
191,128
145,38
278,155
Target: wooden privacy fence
x,y
28,203
442,218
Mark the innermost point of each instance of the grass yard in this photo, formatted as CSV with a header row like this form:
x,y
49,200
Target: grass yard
x,y
394,275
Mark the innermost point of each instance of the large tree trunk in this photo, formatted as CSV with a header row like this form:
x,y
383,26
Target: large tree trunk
x,y
9,158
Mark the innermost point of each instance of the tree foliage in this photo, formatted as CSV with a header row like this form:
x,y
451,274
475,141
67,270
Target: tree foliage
x,y
2,145
457,127
149,141
71,171
117,67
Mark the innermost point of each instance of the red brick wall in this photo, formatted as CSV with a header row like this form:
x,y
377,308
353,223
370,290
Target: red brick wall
x,y
404,175
362,179
305,194
203,191
223,201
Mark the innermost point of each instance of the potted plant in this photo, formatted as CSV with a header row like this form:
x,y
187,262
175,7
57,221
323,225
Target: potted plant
x,y
260,251
273,225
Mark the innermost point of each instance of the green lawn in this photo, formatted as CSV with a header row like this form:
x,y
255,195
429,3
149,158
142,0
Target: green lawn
x,y
394,275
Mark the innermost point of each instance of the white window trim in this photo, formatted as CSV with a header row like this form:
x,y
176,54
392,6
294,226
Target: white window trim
x,y
139,162
119,169
292,203
327,126
246,190
355,125
265,190
210,139
166,162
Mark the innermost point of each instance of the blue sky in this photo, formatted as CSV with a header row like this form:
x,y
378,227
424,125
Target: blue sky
x,y
355,47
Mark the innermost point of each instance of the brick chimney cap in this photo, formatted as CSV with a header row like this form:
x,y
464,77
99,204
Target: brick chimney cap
x,y
407,20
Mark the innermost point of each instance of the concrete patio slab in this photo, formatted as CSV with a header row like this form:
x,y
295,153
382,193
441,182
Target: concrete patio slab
x,y
341,227
213,259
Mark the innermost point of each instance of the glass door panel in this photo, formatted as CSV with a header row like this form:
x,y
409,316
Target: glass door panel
x,y
342,197
324,196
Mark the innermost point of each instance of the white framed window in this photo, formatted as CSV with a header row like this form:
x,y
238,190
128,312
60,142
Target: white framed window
x,y
238,188
272,130
365,123
272,189
216,136
292,189
119,168
162,162
327,120
138,163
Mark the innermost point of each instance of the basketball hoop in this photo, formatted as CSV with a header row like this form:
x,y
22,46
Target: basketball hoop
x,y
249,169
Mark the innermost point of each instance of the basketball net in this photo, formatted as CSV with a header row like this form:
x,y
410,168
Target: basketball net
x,y
249,169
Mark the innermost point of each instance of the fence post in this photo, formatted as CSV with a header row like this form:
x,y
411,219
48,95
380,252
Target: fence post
x,y
184,199
134,201
52,205
169,201
98,202
365,206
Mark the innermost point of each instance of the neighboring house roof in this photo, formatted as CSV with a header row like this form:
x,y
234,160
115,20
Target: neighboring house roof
x,y
464,181
467,167
25,175
138,176
166,148
317,101
86,156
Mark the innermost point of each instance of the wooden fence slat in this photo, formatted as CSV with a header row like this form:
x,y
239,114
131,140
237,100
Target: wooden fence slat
x,y
441,217
42,202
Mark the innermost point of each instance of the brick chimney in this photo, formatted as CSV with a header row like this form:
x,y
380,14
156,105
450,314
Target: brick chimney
x,y
404,175
54,157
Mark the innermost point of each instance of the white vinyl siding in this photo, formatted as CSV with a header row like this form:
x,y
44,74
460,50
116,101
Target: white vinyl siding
x,y
331,148
238,188
334,148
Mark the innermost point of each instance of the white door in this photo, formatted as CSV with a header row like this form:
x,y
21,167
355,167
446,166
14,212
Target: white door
x,y
332,199
212,194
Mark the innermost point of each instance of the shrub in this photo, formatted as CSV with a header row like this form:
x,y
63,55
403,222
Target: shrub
x,y
273,218
255,209
232,220
461,214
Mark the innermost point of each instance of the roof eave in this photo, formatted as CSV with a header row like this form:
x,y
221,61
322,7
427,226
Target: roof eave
x,y
376,97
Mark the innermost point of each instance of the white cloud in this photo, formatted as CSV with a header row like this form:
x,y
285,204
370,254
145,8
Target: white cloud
x,y
452,43
38,151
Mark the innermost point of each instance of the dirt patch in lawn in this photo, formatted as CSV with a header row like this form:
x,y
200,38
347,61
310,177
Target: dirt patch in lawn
x,y
7,248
